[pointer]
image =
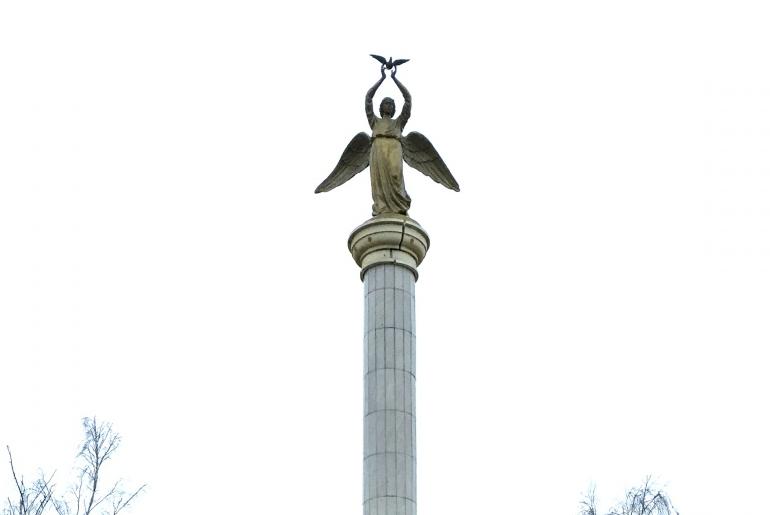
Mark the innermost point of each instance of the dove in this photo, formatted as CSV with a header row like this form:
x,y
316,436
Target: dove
x,y
390,63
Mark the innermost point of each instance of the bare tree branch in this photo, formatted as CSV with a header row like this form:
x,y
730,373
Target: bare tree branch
x,y
99,445
119,503
646,499
588,504
87,495
34,499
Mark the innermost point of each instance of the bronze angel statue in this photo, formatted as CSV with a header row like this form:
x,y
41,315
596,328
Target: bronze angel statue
x,y
384,153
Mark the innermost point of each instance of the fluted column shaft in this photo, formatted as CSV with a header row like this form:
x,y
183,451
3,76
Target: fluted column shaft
x,y
389,391
389,248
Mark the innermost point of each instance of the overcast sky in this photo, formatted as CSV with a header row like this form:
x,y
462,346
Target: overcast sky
x,y
594,306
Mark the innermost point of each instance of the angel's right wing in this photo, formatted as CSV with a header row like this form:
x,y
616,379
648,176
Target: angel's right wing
x,y
354,159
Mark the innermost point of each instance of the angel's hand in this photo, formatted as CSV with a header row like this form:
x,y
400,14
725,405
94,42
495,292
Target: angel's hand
x,y
393,73
382,71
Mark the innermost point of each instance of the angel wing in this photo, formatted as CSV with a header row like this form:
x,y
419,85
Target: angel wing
x,y
354,159
420,155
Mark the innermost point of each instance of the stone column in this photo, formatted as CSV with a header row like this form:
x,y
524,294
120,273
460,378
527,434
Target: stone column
x,y
388,249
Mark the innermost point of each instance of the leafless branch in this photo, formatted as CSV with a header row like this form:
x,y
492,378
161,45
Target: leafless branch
x,y
87,496
646,499
119,502
33,499
588,504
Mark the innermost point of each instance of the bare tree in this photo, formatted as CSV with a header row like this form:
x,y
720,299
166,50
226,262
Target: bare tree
x,y
588,504
646,499
88,495
33,499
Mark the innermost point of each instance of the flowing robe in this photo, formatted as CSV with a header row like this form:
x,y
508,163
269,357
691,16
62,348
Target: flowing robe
x,y
386,166
386,162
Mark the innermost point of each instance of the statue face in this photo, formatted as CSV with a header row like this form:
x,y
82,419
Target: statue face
x,y
387,108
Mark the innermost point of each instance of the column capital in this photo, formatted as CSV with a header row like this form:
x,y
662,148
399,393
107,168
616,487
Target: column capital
x,y
389,238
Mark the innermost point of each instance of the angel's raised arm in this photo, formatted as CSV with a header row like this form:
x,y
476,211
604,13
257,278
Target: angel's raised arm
x,y
406,111
370,96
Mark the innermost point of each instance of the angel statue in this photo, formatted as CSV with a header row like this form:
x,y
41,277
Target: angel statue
x,y
384,153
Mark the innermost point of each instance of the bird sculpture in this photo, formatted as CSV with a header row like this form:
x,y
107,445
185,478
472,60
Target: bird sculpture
x,y
389,63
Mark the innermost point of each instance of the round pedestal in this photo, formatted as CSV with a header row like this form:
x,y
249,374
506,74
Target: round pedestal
x,y
394,239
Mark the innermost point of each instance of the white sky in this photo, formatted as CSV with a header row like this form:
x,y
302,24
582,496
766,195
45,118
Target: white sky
x,y
594,307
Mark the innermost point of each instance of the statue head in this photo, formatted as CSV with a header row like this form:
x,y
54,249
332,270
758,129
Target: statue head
x,y
387,107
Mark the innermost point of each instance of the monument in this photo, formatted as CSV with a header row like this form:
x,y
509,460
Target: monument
x,y
389,247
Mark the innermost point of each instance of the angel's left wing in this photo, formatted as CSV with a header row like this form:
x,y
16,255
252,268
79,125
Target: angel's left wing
x,y
420,155
354,158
